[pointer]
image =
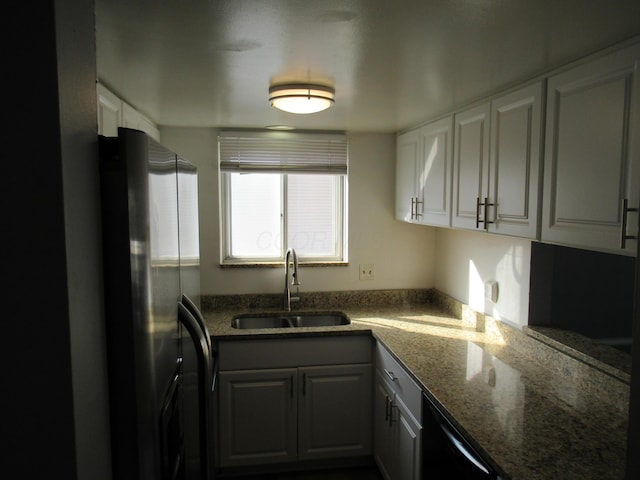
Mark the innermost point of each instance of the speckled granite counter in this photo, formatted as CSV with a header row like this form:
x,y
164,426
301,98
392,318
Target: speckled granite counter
x,y
602,357
536,414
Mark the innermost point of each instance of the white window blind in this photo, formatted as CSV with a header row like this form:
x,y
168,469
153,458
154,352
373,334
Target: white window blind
x,y
283,152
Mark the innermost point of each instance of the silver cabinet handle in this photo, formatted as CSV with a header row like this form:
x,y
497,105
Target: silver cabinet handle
x,y
418,202
485,213
391,375
414,208
623,230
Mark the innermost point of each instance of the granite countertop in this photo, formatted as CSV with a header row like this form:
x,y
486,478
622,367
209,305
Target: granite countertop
x,y
533,415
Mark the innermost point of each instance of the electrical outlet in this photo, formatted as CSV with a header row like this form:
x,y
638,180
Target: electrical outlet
x,y
491,291
366,271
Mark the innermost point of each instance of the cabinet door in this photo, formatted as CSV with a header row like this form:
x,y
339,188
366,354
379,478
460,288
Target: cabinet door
x,y
334,411
433,173
589,162
109,112
407,153
131,118
406,433
259,422
470,166
396,435
383,450
515,166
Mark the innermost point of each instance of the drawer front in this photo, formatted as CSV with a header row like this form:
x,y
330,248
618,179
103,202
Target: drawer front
x,y
294,352
397,378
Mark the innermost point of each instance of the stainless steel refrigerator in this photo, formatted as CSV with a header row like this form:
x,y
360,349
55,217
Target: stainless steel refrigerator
x,y
156,337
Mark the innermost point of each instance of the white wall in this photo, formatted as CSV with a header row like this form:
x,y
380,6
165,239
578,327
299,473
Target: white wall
x,y
465,260
402,254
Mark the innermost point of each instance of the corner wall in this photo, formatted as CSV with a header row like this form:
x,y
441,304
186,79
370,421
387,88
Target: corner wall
x,y
402,254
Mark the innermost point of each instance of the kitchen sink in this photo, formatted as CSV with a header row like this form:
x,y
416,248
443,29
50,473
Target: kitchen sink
x,y
290,320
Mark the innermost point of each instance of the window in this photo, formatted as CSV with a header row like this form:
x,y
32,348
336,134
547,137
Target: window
x,y
280,190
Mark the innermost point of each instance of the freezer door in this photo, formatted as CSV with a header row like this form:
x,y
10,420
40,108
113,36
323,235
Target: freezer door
x,y
189,231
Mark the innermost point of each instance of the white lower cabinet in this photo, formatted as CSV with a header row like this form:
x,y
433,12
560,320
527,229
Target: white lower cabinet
x,y
334,411
396,420
299,413
258,420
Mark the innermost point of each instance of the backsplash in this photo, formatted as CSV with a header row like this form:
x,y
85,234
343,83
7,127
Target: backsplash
x,y
320,300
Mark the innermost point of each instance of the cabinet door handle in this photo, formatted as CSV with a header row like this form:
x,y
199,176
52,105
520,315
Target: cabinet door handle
x,y
391,407
386,408
418,202
391,375
413,207
304,384
486,212
623,230
291,386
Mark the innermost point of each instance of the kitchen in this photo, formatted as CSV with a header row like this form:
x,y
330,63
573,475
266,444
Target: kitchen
x,y
80,301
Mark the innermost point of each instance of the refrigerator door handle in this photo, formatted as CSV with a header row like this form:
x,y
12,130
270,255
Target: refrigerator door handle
x,y
197,315
204,382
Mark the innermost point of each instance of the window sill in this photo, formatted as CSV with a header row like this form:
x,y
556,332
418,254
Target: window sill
x,y
281,264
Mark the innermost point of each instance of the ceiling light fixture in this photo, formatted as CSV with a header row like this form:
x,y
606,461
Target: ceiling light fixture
x,y
279,127
301,97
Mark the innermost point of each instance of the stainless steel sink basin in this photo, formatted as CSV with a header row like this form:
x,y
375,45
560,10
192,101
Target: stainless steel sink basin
x,y
293,320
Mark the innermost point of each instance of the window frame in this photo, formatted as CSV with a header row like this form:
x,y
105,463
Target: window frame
x,y
340,214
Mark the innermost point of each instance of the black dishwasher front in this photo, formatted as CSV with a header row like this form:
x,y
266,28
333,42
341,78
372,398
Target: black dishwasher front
x,y
445,452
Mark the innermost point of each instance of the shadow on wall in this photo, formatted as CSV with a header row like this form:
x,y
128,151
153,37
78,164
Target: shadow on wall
x,y
587,292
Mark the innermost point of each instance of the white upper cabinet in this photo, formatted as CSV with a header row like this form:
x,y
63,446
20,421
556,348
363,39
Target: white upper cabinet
x,y
471,166
515,171
496,180
423,174
592,154
131,118
113,112
407,152
586,141
109,112
434,173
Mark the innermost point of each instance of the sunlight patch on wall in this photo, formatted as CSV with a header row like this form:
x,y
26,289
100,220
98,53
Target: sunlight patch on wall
x,y
512,267
476,288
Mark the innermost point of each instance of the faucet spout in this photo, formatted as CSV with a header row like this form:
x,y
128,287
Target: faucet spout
x,y
290,278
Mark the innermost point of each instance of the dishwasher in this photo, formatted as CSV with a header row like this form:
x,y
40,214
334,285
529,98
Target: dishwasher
x,y
445,451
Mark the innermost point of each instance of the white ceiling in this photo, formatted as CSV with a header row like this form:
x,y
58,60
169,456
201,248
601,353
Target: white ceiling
x,y
394,63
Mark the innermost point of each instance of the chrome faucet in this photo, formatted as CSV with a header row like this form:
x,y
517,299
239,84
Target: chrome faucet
x,y
290,280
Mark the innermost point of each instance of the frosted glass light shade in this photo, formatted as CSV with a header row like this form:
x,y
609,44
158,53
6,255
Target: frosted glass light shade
x,y
301,98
